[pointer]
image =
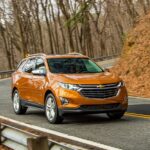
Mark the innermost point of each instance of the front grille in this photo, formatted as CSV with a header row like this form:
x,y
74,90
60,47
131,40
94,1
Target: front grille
x,y
99,92
99,107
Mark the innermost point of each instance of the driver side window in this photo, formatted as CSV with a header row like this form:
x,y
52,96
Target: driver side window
x,y
40,64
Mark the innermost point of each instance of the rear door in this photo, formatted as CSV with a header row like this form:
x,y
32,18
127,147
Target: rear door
x,y
25,85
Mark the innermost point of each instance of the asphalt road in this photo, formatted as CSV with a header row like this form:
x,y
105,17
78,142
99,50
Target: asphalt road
x,y
132,132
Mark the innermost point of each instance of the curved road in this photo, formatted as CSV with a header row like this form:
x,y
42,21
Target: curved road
x,y
132,132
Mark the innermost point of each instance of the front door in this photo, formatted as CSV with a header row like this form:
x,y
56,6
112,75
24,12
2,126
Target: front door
x,y
39,82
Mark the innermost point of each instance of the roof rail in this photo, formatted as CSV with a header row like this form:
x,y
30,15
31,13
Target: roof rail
x,y
37,54
74,53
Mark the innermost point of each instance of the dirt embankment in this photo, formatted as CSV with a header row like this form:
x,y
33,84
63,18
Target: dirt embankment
x,y
134,64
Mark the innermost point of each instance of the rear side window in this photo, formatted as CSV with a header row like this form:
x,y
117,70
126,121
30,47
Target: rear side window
x,y
21,64
29,66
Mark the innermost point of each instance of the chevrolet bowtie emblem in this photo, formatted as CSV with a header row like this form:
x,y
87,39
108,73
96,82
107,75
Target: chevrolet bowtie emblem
x,y
100,86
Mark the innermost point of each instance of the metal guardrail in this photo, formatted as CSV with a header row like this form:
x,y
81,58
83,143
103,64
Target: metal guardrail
x,y
21,136
105,57
5,74
18,139
14,138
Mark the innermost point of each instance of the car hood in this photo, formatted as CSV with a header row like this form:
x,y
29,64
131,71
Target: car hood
x,y
91,78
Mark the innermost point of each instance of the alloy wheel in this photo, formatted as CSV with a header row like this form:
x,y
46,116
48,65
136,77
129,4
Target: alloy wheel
x,y
16,102
50,108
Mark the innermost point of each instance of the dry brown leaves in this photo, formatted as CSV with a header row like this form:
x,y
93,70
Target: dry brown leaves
x,y
134,64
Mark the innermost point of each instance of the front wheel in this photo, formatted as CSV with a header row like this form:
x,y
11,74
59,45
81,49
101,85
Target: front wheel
x,y
115,115
51,110
18,108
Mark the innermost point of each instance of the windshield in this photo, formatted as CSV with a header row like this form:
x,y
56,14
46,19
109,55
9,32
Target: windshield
x,y
73,65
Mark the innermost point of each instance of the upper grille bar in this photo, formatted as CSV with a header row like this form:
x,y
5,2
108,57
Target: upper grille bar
x,y
95,85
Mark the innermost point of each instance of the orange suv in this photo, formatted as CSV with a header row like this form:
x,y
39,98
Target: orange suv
x,y
71,83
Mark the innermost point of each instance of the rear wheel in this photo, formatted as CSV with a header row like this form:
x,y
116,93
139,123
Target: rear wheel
x,y
115,115
51,110
18,108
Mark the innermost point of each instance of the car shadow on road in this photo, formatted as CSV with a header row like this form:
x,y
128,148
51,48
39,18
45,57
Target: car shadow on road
x,y
79,118
89,119
35,111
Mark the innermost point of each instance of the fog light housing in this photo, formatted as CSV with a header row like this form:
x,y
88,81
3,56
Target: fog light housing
x,y
64,101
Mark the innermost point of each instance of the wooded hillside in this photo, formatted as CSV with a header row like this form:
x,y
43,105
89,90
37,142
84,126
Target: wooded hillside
x,y
134,65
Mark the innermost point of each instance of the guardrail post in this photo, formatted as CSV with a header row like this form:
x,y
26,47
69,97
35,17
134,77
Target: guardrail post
x,y
39,143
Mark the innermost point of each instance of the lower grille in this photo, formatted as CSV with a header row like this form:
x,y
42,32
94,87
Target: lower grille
x,y
98,107
99,93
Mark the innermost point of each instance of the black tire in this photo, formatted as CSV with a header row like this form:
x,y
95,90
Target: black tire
x,y
19,109
52,107
116,115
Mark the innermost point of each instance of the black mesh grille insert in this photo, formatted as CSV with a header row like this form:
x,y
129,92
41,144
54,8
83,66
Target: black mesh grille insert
x,y
98,107
105,91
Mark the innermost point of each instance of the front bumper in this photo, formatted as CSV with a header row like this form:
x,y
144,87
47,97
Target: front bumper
x,y
103,108
77,100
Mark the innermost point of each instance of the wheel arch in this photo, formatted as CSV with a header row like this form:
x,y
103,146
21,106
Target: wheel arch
x,y
13,89
46,93
50,92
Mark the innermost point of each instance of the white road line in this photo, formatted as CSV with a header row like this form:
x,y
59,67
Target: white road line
x,y
76,139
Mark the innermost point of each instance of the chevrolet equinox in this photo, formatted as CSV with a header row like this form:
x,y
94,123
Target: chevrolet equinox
x,y
70,83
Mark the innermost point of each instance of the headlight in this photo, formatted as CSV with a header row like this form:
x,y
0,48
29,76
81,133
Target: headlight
x,y
121,83
69,86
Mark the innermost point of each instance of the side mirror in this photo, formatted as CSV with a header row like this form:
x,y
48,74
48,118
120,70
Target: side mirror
x,y
39,72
